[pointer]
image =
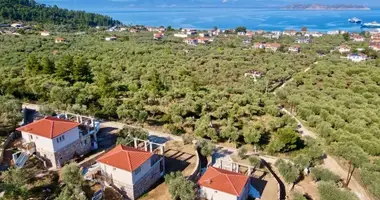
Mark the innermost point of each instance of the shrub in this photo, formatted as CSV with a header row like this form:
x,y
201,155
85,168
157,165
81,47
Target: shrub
x,y
255,161
329,191
206,148
179,186
242,151
287,170
320,174
187,138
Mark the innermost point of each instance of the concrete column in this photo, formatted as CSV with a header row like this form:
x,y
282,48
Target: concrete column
x,y
145,146
135,142
249,171
92,122
66,115
150,146
77,118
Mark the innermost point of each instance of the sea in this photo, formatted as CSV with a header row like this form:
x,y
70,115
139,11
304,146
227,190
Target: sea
x,y
251,18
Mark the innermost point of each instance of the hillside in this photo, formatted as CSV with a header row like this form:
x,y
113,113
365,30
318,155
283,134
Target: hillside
x,y
325,7
29,10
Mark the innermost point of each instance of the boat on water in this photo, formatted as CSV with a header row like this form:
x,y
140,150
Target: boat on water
x,y
371,25
355,20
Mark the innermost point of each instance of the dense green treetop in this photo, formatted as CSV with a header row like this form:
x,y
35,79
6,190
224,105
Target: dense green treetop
x,y
30,11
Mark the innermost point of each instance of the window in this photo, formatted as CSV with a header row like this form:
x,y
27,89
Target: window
x,y
137,171
114,169
31,137
57,140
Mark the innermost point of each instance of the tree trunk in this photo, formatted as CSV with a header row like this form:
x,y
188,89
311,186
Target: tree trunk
x,y
348,175
352,172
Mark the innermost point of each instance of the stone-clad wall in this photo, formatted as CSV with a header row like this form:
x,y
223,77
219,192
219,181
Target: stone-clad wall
x,y
147,181
79,147
143,185
59,158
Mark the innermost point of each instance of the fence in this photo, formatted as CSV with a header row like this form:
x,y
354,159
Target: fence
x,y
197,169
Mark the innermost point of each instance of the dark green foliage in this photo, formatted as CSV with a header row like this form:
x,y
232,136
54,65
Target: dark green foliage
x,y
254,161
284,140
320,174
288,171
29,10
370,174
48,66
15,183
10,114
329,191
242,152
179,187
241,29
126,135
206,148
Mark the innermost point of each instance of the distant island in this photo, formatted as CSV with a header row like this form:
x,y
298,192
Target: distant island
x,y
325,7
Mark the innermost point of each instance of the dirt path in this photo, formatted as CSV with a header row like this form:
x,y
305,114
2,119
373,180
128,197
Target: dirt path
x,y
330,163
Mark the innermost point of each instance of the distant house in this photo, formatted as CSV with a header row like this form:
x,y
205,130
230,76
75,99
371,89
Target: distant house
x,y
59,40
45,33
290,32
277,33
259,45
203,40
254,74
271,36
249,33
241,33
17,25
375,46
294,48
220,184
158,36
191,41
305,40
133,171
272,46
313,34
204,35
133,30
357,57
357,38
180,35
111,38
123,29
56,140
189,31
246,41
259,32
344,49
336,32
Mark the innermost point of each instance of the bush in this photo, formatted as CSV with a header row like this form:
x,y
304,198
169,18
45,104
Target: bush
x,y
206,148
329,191
187,138
299,196
179,186
242,151
287,170
255,161
126,135
320,174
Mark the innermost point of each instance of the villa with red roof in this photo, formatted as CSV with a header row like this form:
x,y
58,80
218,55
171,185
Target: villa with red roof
x,y
220,184
57,141
132,170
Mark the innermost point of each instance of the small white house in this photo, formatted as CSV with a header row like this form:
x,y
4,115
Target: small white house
x,y
336,32
180,35
191,41
220,184
132,170
158,36
56,140
111,38
357,38
344,49
45,33
294,48
59,40
357,57
17,25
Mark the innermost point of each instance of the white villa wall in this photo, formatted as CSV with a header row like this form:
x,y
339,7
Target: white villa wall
x,y
125,177
70,137
51,145
41,142
212,194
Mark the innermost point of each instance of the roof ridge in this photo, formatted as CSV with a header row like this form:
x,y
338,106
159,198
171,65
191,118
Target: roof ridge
x,y
52,128
233,186
129,159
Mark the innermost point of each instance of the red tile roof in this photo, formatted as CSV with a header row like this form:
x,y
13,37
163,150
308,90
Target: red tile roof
x,y
126,158
224,181
49,127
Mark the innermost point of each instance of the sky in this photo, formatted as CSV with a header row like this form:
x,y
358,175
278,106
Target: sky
x,y
98,5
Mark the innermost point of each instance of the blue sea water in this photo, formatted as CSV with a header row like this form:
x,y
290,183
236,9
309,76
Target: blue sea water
x,y
264,19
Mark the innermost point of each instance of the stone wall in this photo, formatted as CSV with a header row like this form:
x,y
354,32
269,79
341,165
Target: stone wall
x,y
143,185
79,147
59,158
147,181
